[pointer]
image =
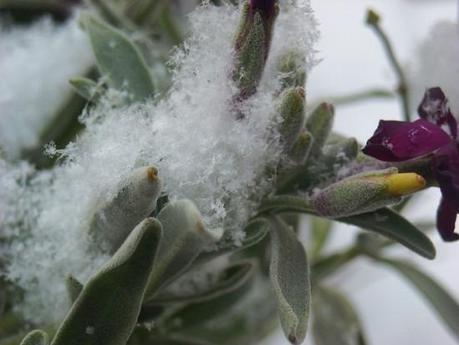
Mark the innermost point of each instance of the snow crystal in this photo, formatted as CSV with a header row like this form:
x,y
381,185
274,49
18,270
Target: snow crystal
x,y
35,64
437,64
192,136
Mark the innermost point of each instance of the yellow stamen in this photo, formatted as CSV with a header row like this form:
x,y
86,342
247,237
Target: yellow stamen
x,y
405,183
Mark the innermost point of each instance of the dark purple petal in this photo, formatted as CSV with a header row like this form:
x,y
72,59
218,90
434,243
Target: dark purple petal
x,y
446,220
396,141
266,7
435,108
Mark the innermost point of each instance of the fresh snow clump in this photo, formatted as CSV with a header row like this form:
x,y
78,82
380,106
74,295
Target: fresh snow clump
x,y
36,63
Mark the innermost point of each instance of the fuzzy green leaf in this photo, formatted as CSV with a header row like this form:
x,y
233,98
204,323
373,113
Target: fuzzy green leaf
x,y
119,59
392,225
107,309
383,221
230,279
289,272
335,320
446,306
36,337
74,288
255,231
185,237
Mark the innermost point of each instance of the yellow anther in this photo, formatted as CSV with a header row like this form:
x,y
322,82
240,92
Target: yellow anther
x,y
405,183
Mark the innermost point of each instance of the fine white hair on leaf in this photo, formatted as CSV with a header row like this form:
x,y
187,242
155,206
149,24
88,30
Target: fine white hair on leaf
x,y
36,62
192,136
437,65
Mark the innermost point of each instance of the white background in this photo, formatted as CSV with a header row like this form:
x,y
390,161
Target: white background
x,y
391,311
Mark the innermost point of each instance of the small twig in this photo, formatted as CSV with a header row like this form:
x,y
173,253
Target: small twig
x,y
355,97
373,20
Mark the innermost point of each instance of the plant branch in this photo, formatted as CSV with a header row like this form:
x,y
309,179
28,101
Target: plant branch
x,y
373,20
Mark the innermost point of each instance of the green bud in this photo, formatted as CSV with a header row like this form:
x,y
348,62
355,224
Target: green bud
x,y
134,201
365,192
252,43
320,124
291,110
292,69
301,148
341,153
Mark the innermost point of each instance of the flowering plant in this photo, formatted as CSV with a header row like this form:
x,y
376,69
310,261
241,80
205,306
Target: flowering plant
x,y
167,206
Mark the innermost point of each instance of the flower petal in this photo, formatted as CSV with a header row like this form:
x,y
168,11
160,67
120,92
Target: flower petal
x,y
435,108
446,220
395,141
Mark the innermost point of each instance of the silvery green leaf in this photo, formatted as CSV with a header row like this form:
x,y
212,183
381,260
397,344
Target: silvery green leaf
x,y
383,221
85,87
133,200
107,309
194,315
74,287
392,225
185,237
321,230
335,320
446,306
119,59
254,232
36,337
289,272
228,280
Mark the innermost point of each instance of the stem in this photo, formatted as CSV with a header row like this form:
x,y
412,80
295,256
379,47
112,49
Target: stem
x,y
355,97
402,89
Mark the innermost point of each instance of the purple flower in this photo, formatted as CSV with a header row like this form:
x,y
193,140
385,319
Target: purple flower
x,y
435,134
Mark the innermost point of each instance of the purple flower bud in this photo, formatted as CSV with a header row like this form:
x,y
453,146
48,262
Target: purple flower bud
x,y
435,108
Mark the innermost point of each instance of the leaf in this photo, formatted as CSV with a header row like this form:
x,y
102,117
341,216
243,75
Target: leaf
x,y
255,231
383,221
119,59
230,279
185,237
107,309
319,123
335,320
392,225
445,305
289,273
321,230
36,337
74,287
85,87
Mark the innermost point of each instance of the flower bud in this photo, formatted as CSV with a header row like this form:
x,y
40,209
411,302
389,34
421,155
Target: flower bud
x,y
365,192
301,147
319,124
291,110
135,200
252,44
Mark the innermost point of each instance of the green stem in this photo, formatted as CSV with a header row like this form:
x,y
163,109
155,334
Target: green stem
x,y
373,20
